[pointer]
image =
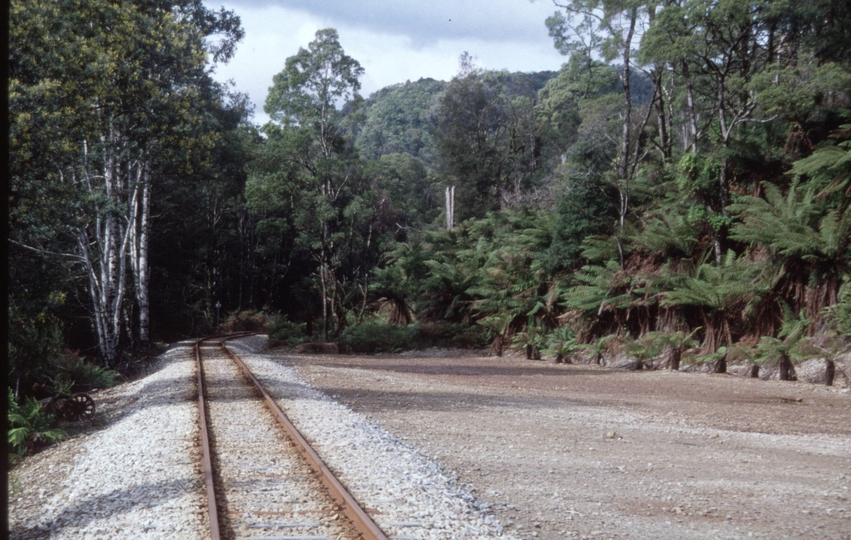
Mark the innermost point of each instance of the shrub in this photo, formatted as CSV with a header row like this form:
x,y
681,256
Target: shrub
x,y
599,348
35,341
444,334
245,321
717,359
532,340
76,373
675,343
289,333
30,426
378,337
642,349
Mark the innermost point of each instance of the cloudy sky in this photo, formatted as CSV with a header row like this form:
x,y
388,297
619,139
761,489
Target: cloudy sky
x,y
394,40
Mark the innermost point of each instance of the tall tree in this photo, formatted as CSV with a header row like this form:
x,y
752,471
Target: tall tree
x,y
303,105
611,27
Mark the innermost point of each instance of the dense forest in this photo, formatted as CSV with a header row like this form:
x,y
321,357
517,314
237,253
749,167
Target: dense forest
x,y
680,188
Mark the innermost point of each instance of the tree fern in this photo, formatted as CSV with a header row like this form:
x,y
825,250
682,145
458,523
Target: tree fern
x,y
716,293
807,231
789,346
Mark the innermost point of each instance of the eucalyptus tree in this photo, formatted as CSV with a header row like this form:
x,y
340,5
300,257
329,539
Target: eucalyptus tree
x,y
611,28
304,104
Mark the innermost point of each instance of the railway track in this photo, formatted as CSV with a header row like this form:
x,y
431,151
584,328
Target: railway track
x,y
264,481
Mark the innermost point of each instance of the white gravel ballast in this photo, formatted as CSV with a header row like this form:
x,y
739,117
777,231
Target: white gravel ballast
x,y
136,478
139,476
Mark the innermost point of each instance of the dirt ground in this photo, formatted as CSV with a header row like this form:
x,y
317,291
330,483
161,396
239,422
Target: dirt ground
x,y
577,451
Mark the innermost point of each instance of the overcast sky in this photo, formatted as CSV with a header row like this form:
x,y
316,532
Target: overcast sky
x,y
394,40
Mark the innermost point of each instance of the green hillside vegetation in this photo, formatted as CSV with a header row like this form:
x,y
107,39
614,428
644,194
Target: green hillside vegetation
x,y
682,190
397,120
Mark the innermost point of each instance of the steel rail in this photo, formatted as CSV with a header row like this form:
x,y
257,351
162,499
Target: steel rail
x,y
350,507
212,507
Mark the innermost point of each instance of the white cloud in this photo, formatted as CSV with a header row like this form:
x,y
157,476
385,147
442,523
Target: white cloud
x,y
391,40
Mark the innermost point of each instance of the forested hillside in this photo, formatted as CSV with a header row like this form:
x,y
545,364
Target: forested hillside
x,y
680,187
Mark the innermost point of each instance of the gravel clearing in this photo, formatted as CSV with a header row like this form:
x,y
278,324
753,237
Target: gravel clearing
x,y
450,445
577,451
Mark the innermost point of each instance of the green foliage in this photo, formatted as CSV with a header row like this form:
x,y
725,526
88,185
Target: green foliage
x,y
794,225
245,321
797,91
673,343
531,339
397,119
839,315
406,188
791,341
484,134
30,427
687,221
713,357
446,272
512,248
498,322
697,182
313,80
290,333
598,347
104,97
35,340
642,349
561,343
675,340
442,334
330,218
81,374
584,208
561,125
599,289
376,337
696,175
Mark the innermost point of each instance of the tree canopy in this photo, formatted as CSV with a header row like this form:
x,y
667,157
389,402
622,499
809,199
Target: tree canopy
x,y
683,177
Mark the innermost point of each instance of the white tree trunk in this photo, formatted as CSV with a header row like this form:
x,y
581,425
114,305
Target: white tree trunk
x,y
691,113
108,242
452,208
103,247
624,169
140,215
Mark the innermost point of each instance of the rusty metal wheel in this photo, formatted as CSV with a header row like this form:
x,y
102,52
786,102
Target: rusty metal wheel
x,y
79,406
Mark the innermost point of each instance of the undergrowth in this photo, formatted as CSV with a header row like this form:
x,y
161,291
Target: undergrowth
x,y
30,427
